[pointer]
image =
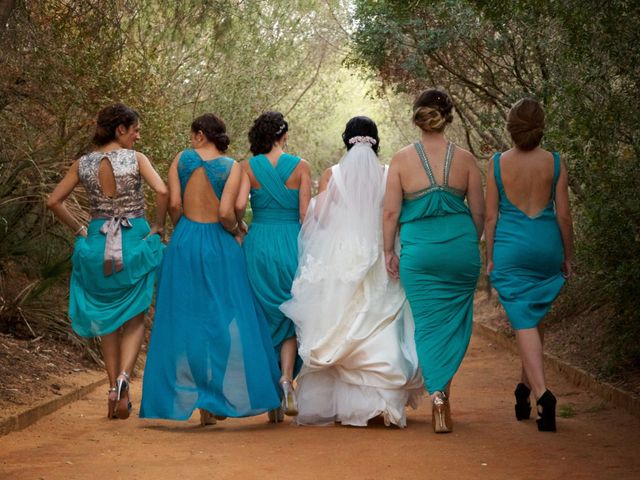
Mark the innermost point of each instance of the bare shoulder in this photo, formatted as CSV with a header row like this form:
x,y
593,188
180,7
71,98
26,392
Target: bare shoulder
x,y
303,166
327,173
141,157
402,155
465,156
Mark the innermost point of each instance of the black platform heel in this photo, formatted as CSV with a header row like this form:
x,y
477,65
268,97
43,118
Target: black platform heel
x,y
547,412
523,404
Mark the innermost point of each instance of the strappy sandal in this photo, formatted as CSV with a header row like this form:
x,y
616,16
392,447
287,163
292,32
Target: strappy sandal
x,y
112,402
124,407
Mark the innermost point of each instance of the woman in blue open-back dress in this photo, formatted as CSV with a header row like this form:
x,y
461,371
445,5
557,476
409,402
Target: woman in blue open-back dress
x,y
439,263
529,236
280,193
210,346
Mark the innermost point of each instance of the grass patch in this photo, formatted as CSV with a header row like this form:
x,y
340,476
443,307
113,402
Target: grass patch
x,y
567,411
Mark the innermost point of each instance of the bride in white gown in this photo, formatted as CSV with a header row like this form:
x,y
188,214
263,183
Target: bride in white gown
x,y
354,326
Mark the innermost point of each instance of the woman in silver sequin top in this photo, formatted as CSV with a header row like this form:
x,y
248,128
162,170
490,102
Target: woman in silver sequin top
x,y
116,257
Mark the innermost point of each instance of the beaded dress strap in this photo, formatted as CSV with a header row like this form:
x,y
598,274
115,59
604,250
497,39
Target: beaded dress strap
x,y
448,160
425,162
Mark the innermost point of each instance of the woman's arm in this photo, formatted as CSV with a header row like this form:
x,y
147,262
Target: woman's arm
x,y
491,215
563,215
475,197
154,180
243,193
391,212
304,192
227,207
56,199
175,191
324,180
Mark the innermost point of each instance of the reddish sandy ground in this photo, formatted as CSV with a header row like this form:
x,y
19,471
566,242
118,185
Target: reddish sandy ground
x,y
597,442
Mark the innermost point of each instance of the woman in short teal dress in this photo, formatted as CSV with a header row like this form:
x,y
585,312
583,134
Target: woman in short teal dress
x,y
210,346
115,259
427,185
529,236
280,192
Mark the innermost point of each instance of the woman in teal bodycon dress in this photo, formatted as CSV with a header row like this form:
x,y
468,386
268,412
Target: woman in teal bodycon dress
x,y
280,192
529,236
439,262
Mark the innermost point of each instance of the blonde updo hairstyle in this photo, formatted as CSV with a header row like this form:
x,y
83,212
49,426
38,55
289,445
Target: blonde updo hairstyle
x,y
525,123
433,110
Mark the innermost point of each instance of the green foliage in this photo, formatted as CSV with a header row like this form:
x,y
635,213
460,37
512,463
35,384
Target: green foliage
x,y
581,58
63,61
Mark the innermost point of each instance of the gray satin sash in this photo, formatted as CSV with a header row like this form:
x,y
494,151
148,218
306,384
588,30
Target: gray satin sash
x,y
112,228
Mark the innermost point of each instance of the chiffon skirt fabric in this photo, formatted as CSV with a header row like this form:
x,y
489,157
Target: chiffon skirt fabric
x,y
439,268
271,251
210,346
99,304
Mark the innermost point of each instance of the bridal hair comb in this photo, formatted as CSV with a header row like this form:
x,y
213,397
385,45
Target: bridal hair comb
x,y
368,140
281,129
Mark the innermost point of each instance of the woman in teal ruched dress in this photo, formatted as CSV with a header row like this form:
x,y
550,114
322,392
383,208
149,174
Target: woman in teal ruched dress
x,y
116,258
210,346
529,236
439,262
280,193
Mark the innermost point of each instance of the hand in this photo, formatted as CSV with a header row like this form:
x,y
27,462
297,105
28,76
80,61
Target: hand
x,y
155,230
239,236
489,267
392,262
243,228
567,269
81,232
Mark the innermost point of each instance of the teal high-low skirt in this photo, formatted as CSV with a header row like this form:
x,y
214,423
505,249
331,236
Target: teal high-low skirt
x,y
99,304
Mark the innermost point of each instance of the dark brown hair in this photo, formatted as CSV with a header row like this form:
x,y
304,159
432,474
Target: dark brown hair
x,y
267,129
525,123
361,127
109,119
213,128
433,110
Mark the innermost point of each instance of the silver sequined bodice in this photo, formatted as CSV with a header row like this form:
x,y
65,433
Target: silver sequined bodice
x,y
128,200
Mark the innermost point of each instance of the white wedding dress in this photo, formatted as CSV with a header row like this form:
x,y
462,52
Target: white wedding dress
x,y
353,322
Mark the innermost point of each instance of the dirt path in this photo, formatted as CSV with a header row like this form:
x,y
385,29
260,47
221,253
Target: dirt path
x,y
599,442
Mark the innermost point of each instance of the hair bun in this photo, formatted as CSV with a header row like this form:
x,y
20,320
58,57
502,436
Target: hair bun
x,y
432,110
268,128
525,123
429,119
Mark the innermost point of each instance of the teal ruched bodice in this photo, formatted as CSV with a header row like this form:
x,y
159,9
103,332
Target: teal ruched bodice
x,y
274,203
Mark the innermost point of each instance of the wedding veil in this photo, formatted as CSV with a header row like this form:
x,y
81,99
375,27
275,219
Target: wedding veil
x,y
339,243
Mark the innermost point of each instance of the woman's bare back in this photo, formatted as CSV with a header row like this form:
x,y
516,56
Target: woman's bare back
x,y
527,178
413,176
199,201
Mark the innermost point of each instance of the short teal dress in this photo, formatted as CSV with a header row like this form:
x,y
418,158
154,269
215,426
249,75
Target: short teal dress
x,y
271,246
210,346
439,268
527,256
114,267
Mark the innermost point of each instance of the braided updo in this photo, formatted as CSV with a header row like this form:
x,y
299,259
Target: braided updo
x,y
433,110
213,128
525,123
267,129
